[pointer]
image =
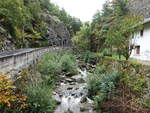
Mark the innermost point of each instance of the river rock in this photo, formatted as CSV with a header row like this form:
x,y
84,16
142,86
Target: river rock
x,y
69,88
83,109
69,74
70,80
57,99
72,83
83,100
80,80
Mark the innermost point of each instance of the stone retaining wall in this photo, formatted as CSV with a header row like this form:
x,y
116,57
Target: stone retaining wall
x,y
19,59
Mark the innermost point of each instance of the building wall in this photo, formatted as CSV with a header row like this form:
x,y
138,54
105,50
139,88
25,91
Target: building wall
x,y
143,42
15,61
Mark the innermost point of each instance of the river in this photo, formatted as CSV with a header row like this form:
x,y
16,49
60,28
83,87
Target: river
x,y
71,94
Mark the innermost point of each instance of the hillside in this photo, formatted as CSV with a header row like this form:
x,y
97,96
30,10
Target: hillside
x,y
34,23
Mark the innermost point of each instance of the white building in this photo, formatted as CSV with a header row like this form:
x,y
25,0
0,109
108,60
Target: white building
x,y
141,42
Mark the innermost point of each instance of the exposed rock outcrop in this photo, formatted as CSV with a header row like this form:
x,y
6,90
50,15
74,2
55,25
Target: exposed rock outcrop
x,y
57,33
5,40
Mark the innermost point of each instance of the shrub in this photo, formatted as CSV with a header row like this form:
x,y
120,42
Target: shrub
x,y
137,84
89,57
50,64
39,99
145,101
102,85
55,63
68,64
100,70
107,52
9,100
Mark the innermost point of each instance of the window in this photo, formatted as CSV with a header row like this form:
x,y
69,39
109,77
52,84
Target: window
x,y
141,32
137,50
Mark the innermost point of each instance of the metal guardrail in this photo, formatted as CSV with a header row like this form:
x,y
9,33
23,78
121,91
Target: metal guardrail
x,y
18,59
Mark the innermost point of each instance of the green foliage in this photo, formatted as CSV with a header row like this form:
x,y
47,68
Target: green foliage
x,y
99,98
145,101
107,52
54,64
68,64
89,57
120,7
104,83
81,40
73,24
24,22
110,29
119,34
14,15
137,84
50,64
39,99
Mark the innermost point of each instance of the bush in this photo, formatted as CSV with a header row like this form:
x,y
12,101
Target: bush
x,y
39,99
54,64
102,85
50,64
106,52
137,84
145,101
89,57
68,64
100,70
9,99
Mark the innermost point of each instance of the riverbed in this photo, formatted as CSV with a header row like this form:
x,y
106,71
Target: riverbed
x,y
71,94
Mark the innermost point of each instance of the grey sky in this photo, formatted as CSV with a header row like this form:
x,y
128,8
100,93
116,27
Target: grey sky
x,y
83,9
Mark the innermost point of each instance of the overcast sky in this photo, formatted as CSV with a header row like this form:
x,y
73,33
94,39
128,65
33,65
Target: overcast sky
x,y
83,9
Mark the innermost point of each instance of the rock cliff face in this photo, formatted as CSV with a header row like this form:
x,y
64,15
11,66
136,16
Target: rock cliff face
x,y
5,40
57,34
139,7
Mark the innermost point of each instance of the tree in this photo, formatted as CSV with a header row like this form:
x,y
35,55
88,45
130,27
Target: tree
x,y
22,19
119,35
82,39
107,9
73,24
119,7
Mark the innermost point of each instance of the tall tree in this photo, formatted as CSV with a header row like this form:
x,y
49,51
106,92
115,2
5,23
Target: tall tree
x,y
119,35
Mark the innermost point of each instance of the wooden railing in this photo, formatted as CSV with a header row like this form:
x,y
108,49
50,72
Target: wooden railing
x,y
18,59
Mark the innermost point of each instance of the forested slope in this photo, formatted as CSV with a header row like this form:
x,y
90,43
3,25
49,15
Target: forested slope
x,y
34,23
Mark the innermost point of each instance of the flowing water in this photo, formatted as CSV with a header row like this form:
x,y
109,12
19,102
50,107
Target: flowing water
x,y
71,94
